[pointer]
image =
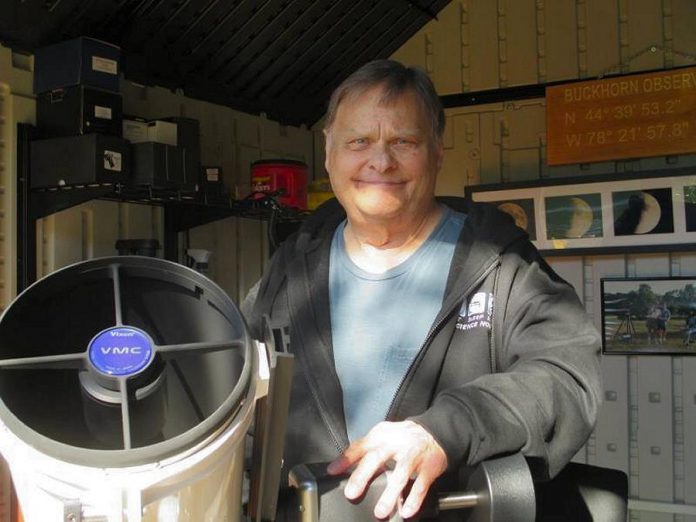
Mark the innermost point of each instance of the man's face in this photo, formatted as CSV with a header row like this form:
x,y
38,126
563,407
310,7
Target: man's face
x,y
381,158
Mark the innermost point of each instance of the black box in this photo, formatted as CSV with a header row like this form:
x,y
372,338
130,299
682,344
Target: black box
x,y
79,61
158,165
79,110
211,180
92,159
188,135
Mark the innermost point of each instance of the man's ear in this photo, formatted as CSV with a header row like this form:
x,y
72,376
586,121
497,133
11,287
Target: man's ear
x,y
327,144
439,154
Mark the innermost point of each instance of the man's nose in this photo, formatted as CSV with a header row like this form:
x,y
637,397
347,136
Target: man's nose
x,y
381,159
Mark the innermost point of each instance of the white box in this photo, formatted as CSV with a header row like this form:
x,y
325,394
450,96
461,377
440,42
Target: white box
x,y
162,132
158,131
135,131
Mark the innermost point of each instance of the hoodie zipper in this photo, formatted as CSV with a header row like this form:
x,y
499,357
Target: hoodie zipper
x,y
436,326
320,405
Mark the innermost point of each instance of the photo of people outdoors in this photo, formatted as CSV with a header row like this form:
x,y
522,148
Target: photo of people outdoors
x,y
655,315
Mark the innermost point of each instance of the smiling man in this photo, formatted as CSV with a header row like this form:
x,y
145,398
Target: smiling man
x,y
426,338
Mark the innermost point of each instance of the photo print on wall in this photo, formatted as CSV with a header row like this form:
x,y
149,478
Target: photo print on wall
x,y
648,315
643,212
690,207
573,217
650,211
522,211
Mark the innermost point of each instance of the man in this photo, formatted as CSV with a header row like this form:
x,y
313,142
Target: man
x,y
425,339
664,315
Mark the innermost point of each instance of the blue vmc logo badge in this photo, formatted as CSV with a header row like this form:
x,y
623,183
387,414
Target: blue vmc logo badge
x,y
120,351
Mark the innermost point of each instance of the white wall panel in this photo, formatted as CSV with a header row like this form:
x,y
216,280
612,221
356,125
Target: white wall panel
x,y
520,32
655,434
505,43
462,160
15,109
612,438
655,409
650,516
64,236
689,434
687,263
413,52
611,434
100,229
445,51
482,51
570,268
681,29
560,40
649,265
644,28
7,199
91,230
490,145
15,71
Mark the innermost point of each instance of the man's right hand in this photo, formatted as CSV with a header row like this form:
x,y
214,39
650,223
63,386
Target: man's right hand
x,y
416,455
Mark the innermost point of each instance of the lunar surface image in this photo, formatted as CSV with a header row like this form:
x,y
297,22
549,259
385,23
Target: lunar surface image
x,y
638,212
522,211
573,217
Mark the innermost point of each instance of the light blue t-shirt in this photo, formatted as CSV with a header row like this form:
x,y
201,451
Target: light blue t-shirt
x,y
379,321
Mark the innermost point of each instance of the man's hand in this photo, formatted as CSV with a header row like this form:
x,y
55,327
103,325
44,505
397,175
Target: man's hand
x,y
415,453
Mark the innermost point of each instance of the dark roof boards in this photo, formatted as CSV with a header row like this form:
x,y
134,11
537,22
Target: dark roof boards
x,y
281,57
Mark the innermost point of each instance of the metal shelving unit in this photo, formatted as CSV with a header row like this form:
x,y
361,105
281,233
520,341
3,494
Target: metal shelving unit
x,y
182,211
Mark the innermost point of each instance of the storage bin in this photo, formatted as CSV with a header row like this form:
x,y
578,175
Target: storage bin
x,y
91,159
158,165
79,110
83,60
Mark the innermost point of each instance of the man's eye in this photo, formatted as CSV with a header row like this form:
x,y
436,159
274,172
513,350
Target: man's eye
x,y
357,143
403,142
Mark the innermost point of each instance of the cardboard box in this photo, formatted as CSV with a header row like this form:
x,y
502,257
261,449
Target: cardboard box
x,y
79,110
91,159
85,61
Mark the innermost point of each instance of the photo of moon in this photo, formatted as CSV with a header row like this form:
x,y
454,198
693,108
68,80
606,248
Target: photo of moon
x,y
690,207
522,211
643,212
573,217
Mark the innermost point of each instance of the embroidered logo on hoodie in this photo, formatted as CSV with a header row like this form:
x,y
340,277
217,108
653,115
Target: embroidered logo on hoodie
x,y
476,313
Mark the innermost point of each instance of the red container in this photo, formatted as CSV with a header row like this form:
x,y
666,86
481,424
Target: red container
x,y
268,176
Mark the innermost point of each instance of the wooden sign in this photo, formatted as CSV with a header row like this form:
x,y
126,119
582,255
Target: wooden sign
x,y
628,117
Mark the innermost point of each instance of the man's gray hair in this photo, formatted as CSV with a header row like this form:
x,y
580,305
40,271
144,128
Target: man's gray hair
x,y
396,80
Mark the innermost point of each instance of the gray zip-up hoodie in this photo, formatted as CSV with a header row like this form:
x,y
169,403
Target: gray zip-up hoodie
x,y
510,363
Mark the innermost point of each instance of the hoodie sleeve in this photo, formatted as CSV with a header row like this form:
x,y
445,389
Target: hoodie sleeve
x,y
545,396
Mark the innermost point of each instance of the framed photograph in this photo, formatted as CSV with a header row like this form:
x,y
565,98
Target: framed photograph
x,y
649,315
636,212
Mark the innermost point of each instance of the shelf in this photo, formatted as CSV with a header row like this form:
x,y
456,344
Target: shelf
x,y
182,210
192,209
